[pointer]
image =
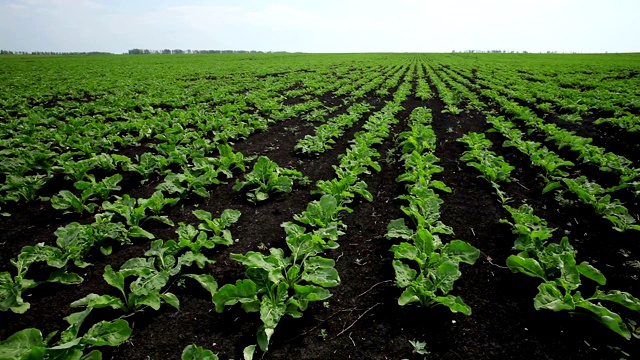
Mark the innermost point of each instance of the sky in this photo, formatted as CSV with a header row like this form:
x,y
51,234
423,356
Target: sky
x,y
321,26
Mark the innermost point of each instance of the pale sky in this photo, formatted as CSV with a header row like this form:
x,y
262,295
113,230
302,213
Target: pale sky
x,y
321,26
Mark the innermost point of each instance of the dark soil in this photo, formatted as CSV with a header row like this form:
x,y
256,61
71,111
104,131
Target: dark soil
x,y
362,320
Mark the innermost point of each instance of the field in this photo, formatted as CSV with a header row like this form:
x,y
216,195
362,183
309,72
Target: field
x,y
320,206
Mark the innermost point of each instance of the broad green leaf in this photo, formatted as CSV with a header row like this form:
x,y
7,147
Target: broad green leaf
x,y
115,279
446,274
404,274
23,344
99,301
65,349
194,352
264,336
437,184
408,296
107,333
138,232
171,299
207,282
261,196
625,299
454,303
152,300
137,266
63,277
425,241
271,311
569,272
607,317
243,291
75,320
398,229
526,266
552,186
311,292
461,251
405,251
248,352
549,297
257,260
229,216
321,271
591,272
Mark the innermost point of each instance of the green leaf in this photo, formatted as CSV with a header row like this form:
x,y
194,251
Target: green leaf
x,y
264,336
404,274
23,345
99,301
115,279
552,186
591,272
526,266
207,282
75,320
248,352
408,296
321,271
437,184
107,333
625,299
311,292
549,297
171,299
194,352
229,216
138,232
405,251
244,291
454,303
607,317
272,310
398,229
461,251
425,241
63,277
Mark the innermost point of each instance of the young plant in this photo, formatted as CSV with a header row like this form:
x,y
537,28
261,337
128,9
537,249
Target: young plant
x,y
29,343
555,264
152,273
267,177
438,267
218,227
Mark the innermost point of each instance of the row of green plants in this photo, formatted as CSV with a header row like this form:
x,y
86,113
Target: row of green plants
x,y
425,266
558,180
585,190
286,280
554,263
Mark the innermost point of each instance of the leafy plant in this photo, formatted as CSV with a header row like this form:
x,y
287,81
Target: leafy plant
x,y
437,263
151,273
218,226
23,186
100,190
29,344
194,352
555,264
67,200
267,177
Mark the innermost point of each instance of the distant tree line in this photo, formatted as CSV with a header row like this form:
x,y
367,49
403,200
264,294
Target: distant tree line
x,y
179,51
8,52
